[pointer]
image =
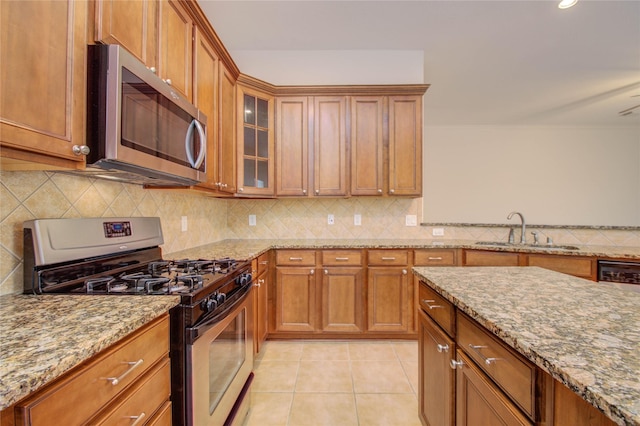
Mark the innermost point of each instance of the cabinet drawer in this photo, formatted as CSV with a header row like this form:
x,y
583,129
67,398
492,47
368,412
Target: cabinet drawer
x,y
438,308
342,258
490,258
584,267
296,257
263,263
388,257
435,257
67,400
144,398
514,374
162,417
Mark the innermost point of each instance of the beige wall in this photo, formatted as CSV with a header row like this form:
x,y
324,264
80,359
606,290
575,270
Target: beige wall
x,y
553,175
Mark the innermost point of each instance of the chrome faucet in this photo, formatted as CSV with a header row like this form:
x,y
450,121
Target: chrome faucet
x,y
523,237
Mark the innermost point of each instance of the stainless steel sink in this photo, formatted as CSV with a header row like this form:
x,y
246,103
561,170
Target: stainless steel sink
x,y
535,246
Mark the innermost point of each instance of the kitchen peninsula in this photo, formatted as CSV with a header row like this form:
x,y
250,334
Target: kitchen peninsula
x,y
583,335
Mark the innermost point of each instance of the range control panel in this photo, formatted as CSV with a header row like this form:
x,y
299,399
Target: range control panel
x,y
117,229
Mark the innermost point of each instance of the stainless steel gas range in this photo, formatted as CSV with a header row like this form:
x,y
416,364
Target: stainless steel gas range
x,y
211,334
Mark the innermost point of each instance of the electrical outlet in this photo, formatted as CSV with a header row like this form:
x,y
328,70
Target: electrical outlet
x,y
411,220
252,220
438,232
183,223
330,219
357,219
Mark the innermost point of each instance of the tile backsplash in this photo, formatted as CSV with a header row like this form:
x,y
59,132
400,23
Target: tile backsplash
x,y
30,195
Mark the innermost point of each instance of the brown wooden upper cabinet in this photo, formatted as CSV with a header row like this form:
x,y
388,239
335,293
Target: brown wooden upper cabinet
x,y
175,53
130,24
226,161
48,79
405,145
311,146
255,142
367,144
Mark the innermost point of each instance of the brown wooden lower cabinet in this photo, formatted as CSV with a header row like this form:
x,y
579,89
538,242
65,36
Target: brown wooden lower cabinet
x,y
578,266
494,385
295,308
342,300
490,258
389,299
437,379
85,395
479,401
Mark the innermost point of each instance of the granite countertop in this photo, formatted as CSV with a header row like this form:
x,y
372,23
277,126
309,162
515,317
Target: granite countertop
x,y
248,249
42,337
585,335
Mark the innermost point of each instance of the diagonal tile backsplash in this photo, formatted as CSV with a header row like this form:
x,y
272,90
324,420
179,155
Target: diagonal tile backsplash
x,y
30,195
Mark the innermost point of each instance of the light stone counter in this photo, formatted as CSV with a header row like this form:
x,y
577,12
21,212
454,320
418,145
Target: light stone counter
x,y
585,335
248,249
42,337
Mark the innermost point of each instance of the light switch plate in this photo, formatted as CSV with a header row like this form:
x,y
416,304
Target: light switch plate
x,y
330,219
252,220
357,219
183,223
411,220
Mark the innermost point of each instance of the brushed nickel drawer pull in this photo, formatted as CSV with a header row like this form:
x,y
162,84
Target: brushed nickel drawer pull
x,y
133,365
427,302
435,258
264,262
298,259
477,348
388,258
442,348
342,259
139,419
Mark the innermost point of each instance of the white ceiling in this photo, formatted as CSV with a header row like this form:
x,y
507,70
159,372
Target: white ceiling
x,y
488,62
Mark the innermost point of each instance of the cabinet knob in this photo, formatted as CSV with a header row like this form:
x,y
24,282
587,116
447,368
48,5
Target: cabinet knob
x,y
317,192
152,69
326,272
442,348
456,364
311,272
304,192
379,191
240,189
391,191
404,272
81,150
168,81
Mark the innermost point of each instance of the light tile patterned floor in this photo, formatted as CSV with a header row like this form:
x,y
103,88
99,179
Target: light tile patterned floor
x,y
336,383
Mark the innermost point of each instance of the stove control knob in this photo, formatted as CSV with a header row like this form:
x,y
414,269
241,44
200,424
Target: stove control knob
x,y
220,298
209,304
244,279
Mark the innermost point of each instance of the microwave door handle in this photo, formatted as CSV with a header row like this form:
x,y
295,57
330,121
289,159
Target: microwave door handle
x,y
203,144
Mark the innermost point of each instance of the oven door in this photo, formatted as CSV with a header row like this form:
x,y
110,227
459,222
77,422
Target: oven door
x,y
219,365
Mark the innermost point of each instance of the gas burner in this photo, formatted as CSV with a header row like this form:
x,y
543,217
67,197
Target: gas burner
x,y
193,266
158,268
96,284
192,281
225,264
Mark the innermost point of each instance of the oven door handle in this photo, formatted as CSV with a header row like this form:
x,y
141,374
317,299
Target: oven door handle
x,y
200,328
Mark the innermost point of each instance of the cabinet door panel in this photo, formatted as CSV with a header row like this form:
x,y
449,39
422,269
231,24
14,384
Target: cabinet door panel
x,y
389,304
292,141
42,80
367,145
437,379
176,47
131,24
584,267
206,100
227,159
330,146
479,402
295,299
342,299
405,145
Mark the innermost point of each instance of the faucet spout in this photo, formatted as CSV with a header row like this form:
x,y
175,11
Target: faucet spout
x,y
523,235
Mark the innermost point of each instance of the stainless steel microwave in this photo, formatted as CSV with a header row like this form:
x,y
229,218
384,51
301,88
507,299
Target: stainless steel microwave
x,y
139,129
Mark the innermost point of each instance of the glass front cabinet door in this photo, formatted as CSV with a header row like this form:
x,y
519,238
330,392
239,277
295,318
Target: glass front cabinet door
x,y
255,144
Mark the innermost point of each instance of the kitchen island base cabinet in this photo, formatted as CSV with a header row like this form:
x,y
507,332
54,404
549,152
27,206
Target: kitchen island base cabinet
x,y
478,400
437,381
